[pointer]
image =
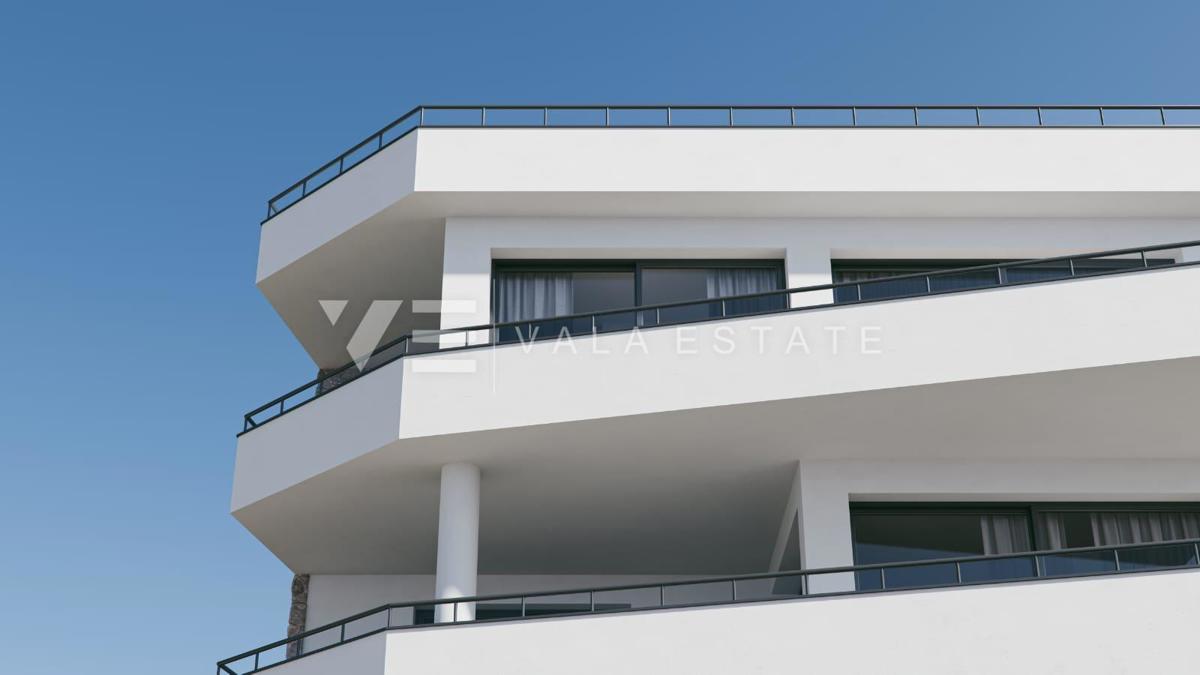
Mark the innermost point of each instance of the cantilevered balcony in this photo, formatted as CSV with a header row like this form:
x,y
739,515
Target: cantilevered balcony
x,y
372,222
1003,367
1111,597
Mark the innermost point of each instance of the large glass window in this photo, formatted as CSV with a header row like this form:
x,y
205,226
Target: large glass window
x,y
889,535
886,533
536,292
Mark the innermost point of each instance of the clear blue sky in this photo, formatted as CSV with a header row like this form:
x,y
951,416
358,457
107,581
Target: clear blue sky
x,y
139,141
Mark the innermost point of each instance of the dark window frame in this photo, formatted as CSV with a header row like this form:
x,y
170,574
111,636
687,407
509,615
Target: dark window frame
x,y
634,265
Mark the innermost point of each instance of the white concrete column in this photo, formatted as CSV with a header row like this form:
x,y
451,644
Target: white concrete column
x,y
825,539
458,540
808,265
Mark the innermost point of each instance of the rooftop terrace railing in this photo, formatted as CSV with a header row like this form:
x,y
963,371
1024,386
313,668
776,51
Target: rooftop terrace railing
x,y
979,277
711,116
747,588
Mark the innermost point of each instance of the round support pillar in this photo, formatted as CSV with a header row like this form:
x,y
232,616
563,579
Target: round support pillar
x,y
458,541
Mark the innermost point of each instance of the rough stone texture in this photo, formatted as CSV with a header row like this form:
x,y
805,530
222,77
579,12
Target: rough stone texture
x,y
298,614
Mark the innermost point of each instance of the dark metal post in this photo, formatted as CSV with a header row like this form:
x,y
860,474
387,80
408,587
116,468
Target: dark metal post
x,y
662,597
978,123
1037,566
1117,559
958,572
1101,109
1071,264
733,589
1162,114
858,287
882,578
522,607
928,283
592,600
1145,262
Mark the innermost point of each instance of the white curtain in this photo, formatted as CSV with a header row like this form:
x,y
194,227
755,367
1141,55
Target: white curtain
x,y
523,296
725,281
1139,527
1004,534
1110,528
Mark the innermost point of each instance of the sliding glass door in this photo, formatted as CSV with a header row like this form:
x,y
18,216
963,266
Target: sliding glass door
x,y
537,292
891,533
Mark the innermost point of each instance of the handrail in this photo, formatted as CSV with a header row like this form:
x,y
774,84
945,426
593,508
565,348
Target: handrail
x,y
751,116
403,345
1038,559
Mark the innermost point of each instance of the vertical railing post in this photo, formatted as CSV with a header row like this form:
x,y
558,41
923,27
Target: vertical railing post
x,y
733,589
1117,559
803,584
853,117
522,607
1071,265
546,117
662,596
1145,262
1039,112
1196,546
730,115
958,572
793,112
928,283
858,288
722,307
483,116
882,578
1162,115
978,121
1037,567
607,112
256,660
592,601
668,115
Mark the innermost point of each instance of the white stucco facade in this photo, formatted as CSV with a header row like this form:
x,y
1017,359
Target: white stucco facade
x,y
674,453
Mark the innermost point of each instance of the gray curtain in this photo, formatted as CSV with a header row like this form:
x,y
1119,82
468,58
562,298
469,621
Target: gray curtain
x,y
725,281
523,296
1004,534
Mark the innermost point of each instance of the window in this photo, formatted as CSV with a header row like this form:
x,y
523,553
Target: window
x,y
887,533
538,291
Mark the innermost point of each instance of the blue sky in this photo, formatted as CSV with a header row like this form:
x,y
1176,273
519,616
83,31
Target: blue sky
x,y
139,142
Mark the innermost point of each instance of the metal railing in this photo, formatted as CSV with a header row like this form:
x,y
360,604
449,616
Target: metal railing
x,y
979,277
746,116
746,588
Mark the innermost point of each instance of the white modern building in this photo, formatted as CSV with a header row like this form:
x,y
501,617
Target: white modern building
x,y
738,390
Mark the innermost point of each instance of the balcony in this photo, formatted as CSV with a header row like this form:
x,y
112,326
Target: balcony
x,y
1009,370
1110,597
591,324
373,222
